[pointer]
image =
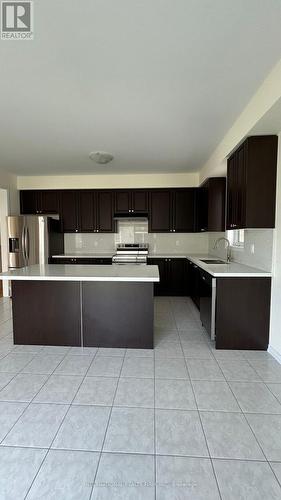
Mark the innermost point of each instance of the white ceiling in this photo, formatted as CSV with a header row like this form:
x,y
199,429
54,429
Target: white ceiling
x,y
155,82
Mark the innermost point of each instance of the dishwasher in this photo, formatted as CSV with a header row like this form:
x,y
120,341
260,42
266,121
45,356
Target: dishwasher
x,y
208,302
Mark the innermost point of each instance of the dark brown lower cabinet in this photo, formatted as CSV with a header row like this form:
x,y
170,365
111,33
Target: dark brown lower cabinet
x,y
173,276
118,315
243,313
194,283
98,314
82,260
46,313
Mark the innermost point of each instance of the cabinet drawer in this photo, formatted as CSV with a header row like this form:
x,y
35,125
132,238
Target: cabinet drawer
x,y
82,260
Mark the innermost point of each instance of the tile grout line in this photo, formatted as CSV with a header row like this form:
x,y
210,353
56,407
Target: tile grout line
x,y
242,413
154,415
143,454
67,411
245,418
206,442
28,403
106,429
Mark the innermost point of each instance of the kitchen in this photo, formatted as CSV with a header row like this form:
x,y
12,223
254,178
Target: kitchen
x,y
134,217
140,231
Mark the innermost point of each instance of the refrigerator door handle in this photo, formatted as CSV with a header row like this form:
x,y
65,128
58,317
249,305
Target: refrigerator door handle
x,y
23,243
27,243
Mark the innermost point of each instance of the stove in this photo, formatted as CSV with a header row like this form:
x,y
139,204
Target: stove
x,y
131,253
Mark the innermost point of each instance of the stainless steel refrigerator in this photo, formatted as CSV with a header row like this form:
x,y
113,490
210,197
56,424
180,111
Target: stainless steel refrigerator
x,y
33,239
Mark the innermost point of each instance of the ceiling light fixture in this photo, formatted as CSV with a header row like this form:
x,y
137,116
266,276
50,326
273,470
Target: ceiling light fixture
x,y
101,157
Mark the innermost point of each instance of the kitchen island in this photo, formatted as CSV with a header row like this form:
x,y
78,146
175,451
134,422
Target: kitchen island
x,y
79,305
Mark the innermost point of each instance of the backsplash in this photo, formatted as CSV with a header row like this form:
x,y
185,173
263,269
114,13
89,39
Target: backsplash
x,y
136,232
261,239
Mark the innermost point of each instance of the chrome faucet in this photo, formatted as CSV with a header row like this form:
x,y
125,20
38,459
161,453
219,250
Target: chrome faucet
x,y
228,251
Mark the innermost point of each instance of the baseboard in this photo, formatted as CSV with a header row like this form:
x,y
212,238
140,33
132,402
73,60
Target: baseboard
x,y
274,353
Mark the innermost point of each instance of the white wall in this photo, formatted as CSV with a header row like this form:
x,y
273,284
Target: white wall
x,y
261,239
109,181
275,330
129,232
9,182
264,99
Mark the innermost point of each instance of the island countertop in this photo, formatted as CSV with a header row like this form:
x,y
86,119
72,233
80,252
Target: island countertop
x,y
68,272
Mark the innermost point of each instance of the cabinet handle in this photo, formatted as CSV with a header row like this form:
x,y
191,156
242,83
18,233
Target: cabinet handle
x,y
203,278
174,230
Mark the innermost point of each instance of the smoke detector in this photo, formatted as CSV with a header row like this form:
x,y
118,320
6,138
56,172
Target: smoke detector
x,y
101,157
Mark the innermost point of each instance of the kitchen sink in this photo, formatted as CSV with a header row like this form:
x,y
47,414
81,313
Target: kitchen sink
x,y
213,261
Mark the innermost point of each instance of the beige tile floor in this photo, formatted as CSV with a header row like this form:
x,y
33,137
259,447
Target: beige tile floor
x,y
181,422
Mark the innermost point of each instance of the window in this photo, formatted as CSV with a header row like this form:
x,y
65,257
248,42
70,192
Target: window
x,y
236,238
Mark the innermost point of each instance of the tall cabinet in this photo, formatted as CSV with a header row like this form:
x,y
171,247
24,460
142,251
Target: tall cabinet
x,y
251,184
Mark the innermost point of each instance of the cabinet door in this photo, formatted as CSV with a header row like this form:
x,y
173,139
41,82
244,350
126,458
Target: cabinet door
x,y
69,211
178,277
240,221
139,201
29,202
160,220
183,211
105,202
201,209
161,288
48,201
231,192
206,300
216,204
122,201
87,211
194,283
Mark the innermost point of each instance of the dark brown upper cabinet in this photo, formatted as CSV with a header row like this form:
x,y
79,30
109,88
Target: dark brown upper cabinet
x,y
160,211
39,202
69,208
210,205
131,201
251,184
105,212
183,210
96,211
87,212
172,210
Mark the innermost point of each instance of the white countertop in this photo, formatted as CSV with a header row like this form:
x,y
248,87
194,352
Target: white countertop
x,y
76,272
231,270
84,256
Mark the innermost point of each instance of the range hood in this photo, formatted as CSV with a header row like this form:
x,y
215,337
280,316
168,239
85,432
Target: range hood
x,y
140,216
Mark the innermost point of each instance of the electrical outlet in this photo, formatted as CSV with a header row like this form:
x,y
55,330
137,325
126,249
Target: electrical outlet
x,y
252,248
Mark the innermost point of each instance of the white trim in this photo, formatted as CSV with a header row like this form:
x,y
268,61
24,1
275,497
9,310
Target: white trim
x,y
274,353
